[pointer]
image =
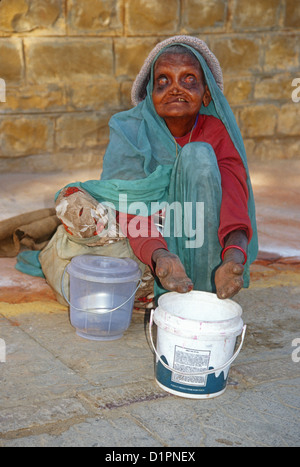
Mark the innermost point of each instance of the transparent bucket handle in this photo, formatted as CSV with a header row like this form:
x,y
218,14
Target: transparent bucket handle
x,y
95,310
202,373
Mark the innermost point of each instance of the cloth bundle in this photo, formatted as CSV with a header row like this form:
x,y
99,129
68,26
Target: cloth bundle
x,y
32,230
83,217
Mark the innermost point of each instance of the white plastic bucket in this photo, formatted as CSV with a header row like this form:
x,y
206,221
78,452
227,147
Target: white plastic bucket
x,y
196,338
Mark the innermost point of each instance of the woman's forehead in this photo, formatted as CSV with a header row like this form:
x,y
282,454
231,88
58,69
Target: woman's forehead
x,y
179,59
182,60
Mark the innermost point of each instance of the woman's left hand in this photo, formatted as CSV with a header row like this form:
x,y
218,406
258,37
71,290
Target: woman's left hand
x,y
229,276
229,279
170,272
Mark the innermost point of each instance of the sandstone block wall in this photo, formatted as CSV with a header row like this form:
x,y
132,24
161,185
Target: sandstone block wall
x,y
68,65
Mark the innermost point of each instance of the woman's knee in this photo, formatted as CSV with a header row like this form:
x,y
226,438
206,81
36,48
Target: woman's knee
x,y
198,160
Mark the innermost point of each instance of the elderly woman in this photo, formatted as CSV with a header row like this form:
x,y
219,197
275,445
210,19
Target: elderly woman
x,y
178,150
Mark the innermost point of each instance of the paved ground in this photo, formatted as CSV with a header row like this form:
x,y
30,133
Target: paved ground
x,y
60,390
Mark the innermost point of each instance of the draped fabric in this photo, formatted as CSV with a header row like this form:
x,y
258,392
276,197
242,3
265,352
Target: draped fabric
x,y
139,161
141,153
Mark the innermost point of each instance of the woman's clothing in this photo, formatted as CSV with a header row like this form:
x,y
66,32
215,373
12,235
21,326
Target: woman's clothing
x,y
140,165
234,209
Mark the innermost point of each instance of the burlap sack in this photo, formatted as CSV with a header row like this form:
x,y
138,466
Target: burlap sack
x,y
55,257
31,230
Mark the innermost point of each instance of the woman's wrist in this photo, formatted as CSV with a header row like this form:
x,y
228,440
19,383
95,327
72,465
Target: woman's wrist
x,y
234,253
235,248
159,252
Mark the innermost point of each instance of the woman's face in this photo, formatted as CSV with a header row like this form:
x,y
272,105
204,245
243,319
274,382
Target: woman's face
x,y
179,89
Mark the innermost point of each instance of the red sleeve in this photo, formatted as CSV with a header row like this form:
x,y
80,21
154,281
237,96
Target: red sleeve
x,y
234,207
143,236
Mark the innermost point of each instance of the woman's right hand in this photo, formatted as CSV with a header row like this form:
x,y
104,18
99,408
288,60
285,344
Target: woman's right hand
x,y
170,272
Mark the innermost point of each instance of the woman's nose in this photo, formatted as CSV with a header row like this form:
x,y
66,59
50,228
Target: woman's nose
x,y
175,88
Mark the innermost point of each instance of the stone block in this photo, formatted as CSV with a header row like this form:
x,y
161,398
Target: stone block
x,y
102,95
151,17
103,17
269,149
70,60
202,14
22,136
11,60
36,17
34,98
282,53
258,120
277,87
256,14
57,161
292,14
289,119
130,55
38,414
76,132
89,159
238,91
126,94
237,54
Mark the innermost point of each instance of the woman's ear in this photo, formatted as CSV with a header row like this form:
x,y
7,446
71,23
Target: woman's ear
x,y
206,97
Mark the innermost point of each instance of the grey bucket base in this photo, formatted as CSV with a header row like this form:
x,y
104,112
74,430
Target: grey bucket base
x,y
97,338
190,396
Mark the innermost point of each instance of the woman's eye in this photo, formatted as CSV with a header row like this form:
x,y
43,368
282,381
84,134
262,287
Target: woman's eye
x,y
162,81
189,79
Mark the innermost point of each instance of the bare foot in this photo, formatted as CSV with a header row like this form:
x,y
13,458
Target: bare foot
x,y
170,272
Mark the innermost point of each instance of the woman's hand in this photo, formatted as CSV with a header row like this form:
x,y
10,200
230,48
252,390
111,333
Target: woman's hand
x,y
229,276
229,279
170,272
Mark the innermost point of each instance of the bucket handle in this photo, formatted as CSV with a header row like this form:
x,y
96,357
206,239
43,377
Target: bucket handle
x,y
202,373
97,311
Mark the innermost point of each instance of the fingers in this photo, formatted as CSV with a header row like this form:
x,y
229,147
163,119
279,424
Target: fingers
x,y
162,271
229,279
230,289
238,269
183,286
172,275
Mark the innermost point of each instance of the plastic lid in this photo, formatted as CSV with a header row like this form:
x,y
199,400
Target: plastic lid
x,y
104,269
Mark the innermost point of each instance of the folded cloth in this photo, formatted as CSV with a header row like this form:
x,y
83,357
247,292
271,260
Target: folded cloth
x,y
83,217
31,230
28,262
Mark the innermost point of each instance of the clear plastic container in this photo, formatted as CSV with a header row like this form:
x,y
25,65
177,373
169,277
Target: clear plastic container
x,y
102,291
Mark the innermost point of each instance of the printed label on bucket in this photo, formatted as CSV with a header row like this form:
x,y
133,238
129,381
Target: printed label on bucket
x,y
190,361
213,384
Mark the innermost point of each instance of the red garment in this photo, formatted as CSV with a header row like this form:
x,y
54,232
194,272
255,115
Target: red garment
x,y
149,239
234,208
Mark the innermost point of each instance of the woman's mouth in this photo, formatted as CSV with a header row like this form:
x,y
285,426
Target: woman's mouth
x,y
178,99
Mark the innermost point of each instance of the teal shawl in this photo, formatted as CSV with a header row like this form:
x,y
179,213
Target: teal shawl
x,y
139,158
141,153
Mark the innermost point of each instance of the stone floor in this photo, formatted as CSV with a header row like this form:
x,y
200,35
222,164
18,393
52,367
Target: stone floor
x,y
60,390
